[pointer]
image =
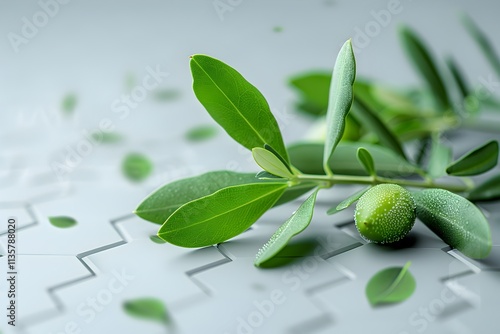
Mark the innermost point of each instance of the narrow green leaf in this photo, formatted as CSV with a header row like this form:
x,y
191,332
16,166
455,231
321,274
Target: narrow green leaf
x,y
235,104
369,119
483,42
136,167
486,191
440,158
347,202
270,163
366,159
455,220
264,175
340,100
62,221
422,60
391,99
68,103
391,285
293,226
458,77
307,157
201,133
162,202
148,309
273,151
477,161
314,89
218,217
156,239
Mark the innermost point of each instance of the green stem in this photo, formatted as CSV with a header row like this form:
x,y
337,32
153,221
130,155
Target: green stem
x,y
329,180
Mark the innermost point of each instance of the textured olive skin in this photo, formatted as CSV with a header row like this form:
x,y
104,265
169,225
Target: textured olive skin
x,y
385,213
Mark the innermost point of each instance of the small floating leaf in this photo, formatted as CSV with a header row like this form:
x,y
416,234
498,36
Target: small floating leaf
x,y
293,226
455,220
166,95
477,161
201,133
147,308
62,221
391,285
107,137
68,104
137,167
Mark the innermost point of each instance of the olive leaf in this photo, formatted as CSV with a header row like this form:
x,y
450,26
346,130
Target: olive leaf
x,y
369,119
483,42
293,226
458,76
422,60
314,89
440,158
136,167
162,202
62,221
271,163
307,157
213,219
285,162
477,161
347,202
366,159
235,104
391,285
147,308
455,220
339,101
486,191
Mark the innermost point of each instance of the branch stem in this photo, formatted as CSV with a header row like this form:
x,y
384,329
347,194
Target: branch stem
x,y
329,180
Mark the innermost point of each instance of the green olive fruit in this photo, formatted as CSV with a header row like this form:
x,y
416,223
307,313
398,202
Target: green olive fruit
x,y
385,213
